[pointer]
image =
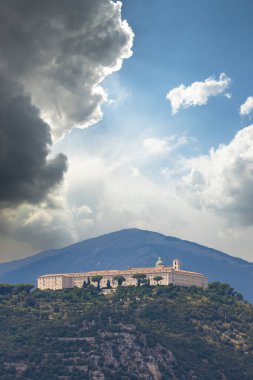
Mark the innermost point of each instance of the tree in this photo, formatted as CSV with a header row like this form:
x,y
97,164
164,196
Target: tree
x,y
6,288
97,278
84,285
23,288
119,279
157,279
140,277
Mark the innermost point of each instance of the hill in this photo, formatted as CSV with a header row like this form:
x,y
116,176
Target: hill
x,y
133,248
152,333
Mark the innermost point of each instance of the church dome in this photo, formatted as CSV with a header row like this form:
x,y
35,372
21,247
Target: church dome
x,y
159,262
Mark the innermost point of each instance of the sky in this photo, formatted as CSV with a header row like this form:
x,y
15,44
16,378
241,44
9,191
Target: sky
x,y
125,114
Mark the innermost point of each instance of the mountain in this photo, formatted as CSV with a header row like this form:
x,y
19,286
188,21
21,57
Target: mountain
x,y
133,248
135,333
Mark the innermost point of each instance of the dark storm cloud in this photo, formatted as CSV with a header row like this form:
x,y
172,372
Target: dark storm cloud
x,y
25,173
61,50
54,54
57,52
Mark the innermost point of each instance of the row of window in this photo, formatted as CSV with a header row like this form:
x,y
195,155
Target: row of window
x,y
59,282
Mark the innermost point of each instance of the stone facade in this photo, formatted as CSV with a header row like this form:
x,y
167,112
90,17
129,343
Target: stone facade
x,y
170,275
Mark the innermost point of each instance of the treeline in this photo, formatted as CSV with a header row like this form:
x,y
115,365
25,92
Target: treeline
x,y
19,288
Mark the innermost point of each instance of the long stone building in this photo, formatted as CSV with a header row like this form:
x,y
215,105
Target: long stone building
x,y
170,275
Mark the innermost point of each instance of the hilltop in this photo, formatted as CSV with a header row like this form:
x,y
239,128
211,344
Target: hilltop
x,y
133,248
152,333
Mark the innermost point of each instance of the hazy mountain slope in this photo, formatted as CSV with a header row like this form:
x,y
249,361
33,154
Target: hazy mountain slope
x,y
129,248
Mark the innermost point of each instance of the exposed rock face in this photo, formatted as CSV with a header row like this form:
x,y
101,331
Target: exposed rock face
x,y
128,348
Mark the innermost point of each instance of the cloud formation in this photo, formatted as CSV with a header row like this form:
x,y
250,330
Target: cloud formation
x,y
53,56
27,175
101,192
61,51
155,146
247,107
198,93
223,180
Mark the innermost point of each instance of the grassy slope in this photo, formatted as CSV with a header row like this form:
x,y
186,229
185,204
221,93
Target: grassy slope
x,y
162,332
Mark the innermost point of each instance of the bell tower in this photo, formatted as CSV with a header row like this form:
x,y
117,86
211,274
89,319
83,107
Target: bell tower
x,y
176,264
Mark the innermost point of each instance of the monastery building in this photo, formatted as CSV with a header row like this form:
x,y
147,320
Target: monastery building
x,y
170,275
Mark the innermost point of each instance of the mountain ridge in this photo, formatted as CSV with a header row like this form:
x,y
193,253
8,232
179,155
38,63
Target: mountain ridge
x,y
39,254
132,247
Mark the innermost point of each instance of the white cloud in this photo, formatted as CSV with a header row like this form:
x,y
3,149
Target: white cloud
x,y
247,107
101,192
223,180
99,197
61,52
135,172
156,146
197,93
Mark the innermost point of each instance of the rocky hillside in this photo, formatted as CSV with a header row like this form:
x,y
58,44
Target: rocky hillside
x,y
134,248
152,333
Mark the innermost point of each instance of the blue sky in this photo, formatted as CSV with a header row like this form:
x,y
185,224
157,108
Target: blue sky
x,y
135,164
181,42
178,42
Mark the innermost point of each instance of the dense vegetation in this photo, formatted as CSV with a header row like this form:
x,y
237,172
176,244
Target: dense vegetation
x,y
145,332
